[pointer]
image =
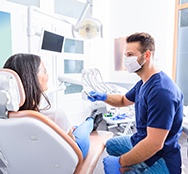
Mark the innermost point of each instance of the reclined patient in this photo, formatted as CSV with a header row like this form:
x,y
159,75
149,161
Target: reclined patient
x,y
34,77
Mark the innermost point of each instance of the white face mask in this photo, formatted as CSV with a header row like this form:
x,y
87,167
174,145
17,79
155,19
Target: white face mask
x,y
131,64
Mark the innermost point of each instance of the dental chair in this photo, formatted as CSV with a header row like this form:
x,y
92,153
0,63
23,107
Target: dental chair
x,y
31,143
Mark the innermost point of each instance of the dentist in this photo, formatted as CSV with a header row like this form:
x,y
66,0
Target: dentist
x,y
154,147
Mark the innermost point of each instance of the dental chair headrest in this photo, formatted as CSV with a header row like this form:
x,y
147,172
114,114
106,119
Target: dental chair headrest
x,y
12,94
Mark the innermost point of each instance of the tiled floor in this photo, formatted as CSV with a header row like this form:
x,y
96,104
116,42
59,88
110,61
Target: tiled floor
x,y
183,142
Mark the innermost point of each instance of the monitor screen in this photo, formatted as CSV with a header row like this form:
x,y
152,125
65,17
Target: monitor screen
x,y
52,41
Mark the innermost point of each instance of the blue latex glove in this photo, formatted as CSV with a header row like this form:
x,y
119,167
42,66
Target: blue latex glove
x,y
97,96
111,165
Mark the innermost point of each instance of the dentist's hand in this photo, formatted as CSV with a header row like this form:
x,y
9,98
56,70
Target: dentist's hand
x,y
111,165
97,96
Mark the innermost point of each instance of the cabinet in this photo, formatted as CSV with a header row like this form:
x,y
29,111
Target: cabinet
x,y
73,59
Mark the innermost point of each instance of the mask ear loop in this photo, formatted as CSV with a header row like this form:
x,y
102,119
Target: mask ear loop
x,y
143,63
144,60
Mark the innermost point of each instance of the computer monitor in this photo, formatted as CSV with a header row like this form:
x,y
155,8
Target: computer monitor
x,y
51,41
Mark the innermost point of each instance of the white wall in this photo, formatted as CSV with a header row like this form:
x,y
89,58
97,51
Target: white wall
x,y
99,47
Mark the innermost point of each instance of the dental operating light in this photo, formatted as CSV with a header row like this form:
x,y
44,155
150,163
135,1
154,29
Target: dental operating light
x,y
87,27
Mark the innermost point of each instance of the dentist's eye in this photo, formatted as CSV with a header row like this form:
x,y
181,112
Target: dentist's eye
x,y
128,54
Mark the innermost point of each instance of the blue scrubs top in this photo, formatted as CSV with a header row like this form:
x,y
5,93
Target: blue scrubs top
x,y
159,104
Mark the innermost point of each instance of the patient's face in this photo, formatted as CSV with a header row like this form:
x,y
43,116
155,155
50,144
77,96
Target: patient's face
x,y
43,77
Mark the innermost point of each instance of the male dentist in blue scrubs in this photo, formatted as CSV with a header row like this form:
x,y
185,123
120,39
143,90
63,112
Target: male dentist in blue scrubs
x,y
154,147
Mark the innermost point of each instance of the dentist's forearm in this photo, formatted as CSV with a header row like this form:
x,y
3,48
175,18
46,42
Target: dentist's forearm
x,y
117,100
145,148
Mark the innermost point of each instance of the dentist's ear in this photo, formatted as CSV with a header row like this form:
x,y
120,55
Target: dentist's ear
x,y
148,54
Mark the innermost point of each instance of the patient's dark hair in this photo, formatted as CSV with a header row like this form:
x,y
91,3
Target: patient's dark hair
x,y
27,67
146,41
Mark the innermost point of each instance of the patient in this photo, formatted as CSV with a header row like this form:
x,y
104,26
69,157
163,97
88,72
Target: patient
x,y
34,77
